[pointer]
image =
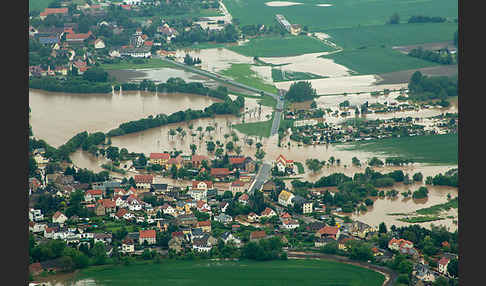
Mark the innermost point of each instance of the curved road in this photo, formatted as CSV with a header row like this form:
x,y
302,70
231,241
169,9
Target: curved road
x,y
390,275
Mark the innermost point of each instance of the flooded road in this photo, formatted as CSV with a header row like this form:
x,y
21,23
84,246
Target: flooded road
x,y
56,117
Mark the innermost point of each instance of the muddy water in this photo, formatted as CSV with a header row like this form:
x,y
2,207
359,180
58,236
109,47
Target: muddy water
x,y
382,207
216,59
57,116
157,75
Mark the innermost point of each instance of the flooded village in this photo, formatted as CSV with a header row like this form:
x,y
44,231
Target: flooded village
x,y
195,186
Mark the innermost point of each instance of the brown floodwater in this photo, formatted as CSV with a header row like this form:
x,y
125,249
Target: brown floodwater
x,y
155,74
57,116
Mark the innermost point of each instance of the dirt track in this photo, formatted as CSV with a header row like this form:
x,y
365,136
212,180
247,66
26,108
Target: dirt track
x,y
390,275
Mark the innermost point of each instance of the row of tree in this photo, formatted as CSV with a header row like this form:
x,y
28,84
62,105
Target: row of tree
x,y
444,58
71,84
425,88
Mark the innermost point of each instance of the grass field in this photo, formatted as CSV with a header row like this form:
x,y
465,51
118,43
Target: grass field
x,y
432,149
420,219
201,273
279,76
278,46
377,60
342,14
150,63
436,209
242,73
39,5
261,129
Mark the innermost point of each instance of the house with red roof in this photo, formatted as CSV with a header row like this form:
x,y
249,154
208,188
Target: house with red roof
x,y
177,161
59,217
290,224
128,246
243,199
93,195
121,213
159,158
252,217
148,236
202,185
197,160
53,11
257,235
204,225
220,172
328,232
238,186
397,244
442,265
238,162
77,38
143,181
283,164
268,213
108,204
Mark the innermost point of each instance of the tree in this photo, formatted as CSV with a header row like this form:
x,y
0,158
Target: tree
x,y
230,146
238,150
260,154
210,146
300,91
382,228
95,74
193,148
452,267
394,19
355,161
418,177
313,164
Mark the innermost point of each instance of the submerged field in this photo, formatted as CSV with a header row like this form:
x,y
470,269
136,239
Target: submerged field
x,y
341,14
291,272
242,73
434,149
281,46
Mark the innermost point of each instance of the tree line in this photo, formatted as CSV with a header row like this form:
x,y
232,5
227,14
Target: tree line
x,y
423,88
432,56
72,84
426,19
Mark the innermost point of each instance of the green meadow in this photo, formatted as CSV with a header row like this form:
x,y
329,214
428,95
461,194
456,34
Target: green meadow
x,y
342,13
261,128
278,46
211,273
433,149
39,5
242,73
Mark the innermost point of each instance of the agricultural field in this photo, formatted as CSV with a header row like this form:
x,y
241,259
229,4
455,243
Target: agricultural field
x,y
340,14
279,75
290,272
242,73
38,5
432,149
277,46
376,60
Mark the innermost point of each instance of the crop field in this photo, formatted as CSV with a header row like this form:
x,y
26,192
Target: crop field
x,y
39,5
277,46
242,73
341,14
377,60
433,149
201,273
278,75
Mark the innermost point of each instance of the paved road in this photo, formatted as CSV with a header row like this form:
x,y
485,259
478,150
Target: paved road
x,y
278,113
263,174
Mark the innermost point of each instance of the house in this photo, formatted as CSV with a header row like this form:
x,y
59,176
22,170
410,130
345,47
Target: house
x,y
59,218
121,213
148,236
307,207
285,198
202,185
283,164
268,213
315,226
168,209
175,244
99,44
197,160
268,187
196,233
238,186
342,242
397,244
93,195
223,218
114,53
422,272
186,220
320,242
223,206
290,224
442,265
219,172
99,209
229,237
139,52
177,161
128,246
37,227
35,215
257,235
252,217
360,229
204,225
109,205
103,237
159,158
201,244
243,199
77,38
328,231
198,194
53,11
143,181
238,162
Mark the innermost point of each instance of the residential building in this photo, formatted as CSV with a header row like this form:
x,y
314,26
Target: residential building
x,y
397,244
238,186
328,231
35,215
147,235
307,207
284,165
257,235
442,265
143,181
93,195
59,217
285,198
290,224
204,225
128,246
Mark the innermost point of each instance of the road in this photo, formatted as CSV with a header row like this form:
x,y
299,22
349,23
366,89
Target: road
x,y
278,113
262,176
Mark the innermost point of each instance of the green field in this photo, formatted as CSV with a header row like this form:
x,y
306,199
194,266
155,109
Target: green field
x,y
205,272
343,13
278,75
39,5
242,73
377,60
261,128
420,219
432,149
436,209
150,63
278,46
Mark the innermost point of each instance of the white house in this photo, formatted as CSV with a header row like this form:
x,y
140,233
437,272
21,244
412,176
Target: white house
x,y
285,198
35,215
128,246
307,207
290,224
283,164
443,263
198,194
114,53
99,44
59,217
167,209
228,236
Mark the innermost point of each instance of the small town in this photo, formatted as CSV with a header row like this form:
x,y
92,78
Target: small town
x,y
320,137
